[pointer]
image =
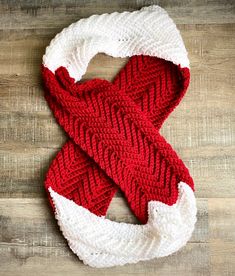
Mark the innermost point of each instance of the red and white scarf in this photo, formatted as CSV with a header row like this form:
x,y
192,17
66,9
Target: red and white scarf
x,y
114,140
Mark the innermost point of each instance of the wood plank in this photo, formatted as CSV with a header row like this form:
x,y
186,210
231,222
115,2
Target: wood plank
x,y
222,258
24,168
50,14
26,260
18,214
222,219
30,241
210,47
222,235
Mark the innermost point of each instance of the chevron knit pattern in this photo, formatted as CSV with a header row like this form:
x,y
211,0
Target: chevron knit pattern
x,y
114,140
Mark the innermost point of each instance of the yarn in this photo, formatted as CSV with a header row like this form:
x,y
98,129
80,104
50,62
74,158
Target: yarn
x,y
114,140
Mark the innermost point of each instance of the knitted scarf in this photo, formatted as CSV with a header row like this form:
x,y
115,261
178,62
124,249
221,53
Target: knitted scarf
x,y
114,140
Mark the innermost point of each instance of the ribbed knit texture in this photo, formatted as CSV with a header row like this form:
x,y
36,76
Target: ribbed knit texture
x,y
114,140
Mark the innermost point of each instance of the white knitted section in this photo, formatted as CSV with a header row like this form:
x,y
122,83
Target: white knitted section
x,y
149,31
100,242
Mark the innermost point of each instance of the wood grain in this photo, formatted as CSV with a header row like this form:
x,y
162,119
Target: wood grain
x,y
201,129
45,14
31,237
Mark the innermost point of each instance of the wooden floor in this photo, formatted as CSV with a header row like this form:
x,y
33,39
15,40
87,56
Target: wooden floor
x,y
201,129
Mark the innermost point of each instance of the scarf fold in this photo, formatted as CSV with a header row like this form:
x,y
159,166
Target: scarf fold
x,y
114,139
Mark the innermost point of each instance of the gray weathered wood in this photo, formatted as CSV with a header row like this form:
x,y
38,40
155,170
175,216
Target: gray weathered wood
x,y
41,14
30,239
201,129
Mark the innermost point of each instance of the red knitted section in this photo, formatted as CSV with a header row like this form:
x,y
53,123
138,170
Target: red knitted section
x,y
114,135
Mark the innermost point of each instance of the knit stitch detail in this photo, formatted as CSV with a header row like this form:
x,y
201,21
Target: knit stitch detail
x,y
114,138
